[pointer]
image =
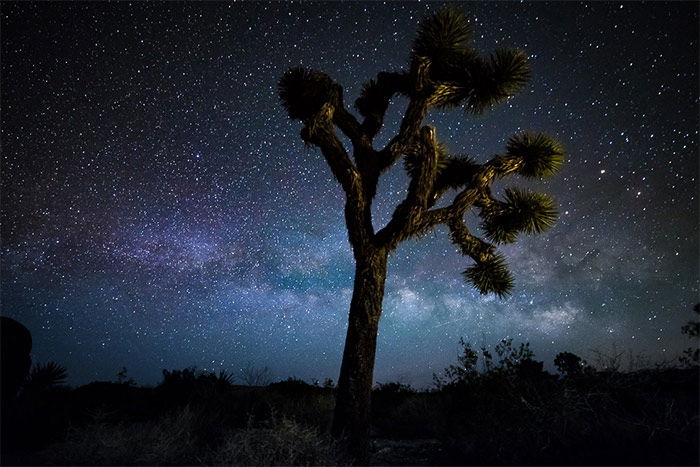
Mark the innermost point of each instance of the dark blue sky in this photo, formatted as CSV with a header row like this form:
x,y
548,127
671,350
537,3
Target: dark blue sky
x,y
159,209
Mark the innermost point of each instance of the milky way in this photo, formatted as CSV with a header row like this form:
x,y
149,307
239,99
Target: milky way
x,y
159,209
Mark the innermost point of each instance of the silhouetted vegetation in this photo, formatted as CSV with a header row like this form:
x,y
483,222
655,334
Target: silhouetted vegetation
x,y
494,406
691,355
252,375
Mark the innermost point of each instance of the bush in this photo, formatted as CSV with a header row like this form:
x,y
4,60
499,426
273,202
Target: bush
x,y
174,439
277,442
513,412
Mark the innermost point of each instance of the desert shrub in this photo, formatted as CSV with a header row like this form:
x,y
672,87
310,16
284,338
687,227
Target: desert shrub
x,y
386,398
183,437
393,388
252,375
292,387
504,362
513,412
189,386
415,415
191,378
45,376
296,399
280,441
465,370
571,365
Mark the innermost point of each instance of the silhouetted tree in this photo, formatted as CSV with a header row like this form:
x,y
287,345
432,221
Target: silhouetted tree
x,y
464,371
569,364
444,71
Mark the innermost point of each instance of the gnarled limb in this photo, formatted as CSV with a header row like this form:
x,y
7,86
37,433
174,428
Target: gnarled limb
x,y
420,189
469,244
375,98
421,90
475,193
320,131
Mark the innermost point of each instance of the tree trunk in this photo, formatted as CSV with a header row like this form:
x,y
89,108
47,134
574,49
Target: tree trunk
x,y
351,421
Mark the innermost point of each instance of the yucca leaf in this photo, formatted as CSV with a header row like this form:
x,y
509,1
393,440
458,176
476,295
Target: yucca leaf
x,y
376,93
370,96
45,376
410,162
490,276
458,172
499,229
511,69
537,211
441,35
303,92
523,211
478,84
493,81
454,79
542,155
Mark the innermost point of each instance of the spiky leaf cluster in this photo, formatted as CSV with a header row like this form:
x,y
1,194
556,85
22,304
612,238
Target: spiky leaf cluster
x,y
451,172
303,92
441,36
410,162
542,155
377,92
523,211
493,81
374,98
45,376
458,172
490,276
478,84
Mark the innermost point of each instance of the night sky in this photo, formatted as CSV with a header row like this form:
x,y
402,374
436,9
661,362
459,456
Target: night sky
x,y
159,209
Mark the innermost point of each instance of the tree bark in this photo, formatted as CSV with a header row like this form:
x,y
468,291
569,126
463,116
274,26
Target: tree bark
x,y
351,420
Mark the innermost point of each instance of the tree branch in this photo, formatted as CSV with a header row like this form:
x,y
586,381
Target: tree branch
x,y
418,197
320,131
421,90
349,125
375,98
469,244
476,192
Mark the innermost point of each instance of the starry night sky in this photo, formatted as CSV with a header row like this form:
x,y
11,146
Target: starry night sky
x,y
159,209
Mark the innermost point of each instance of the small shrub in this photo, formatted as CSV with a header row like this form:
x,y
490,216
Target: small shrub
x,y
177,438
255,376
569,364
278,442
292,387
393,388
45,376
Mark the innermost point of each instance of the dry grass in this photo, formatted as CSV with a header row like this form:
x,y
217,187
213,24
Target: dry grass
x,y
278,442
191,437
173,439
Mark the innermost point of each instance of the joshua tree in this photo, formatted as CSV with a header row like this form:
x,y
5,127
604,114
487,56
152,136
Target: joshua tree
x,y
443,72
